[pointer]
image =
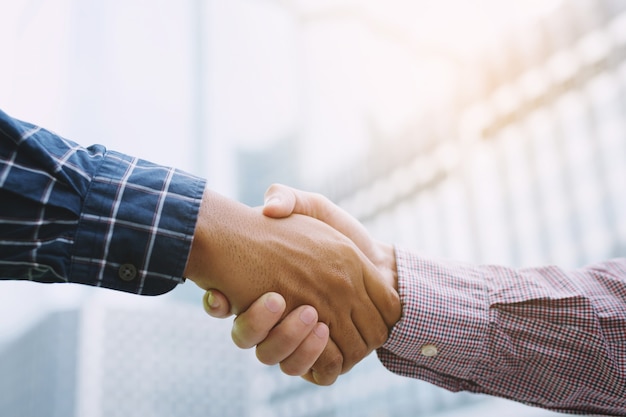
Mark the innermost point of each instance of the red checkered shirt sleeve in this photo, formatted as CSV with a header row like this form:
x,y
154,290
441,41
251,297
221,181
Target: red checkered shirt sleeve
x,y
542,336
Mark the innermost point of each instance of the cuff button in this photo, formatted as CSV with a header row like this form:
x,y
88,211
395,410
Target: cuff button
x,y
127,272
429,350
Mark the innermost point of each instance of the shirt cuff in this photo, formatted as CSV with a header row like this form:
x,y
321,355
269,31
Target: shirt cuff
x,y
136,226
440,337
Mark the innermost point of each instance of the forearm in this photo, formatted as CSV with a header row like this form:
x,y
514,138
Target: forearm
x,y
541,336
225,247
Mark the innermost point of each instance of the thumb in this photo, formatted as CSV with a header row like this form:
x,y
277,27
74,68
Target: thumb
x,y
280,201
216,304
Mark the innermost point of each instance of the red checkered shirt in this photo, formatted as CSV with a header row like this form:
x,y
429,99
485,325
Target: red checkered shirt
x,y
542,336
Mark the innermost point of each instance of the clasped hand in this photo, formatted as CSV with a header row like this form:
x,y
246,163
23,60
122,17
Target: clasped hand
x,y
311,262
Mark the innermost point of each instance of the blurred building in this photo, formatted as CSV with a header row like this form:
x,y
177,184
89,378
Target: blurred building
x,y
258,169
368,390
524,166
528,167
172,360
107,360
38,371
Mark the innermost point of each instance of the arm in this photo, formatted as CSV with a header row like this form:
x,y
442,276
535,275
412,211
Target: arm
x,y
295,342
281,202
91,216
98,217
244,254
542,336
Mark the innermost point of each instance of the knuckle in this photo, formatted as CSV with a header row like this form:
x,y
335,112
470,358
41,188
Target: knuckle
x,y
264,358
238,341
330,364
380,336
242,334
290,369
325,379
354,356
320,200
275,186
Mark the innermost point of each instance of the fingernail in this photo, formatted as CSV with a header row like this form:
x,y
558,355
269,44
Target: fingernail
x,y
321,330
272,200
315,377
308,316
272,304
212,301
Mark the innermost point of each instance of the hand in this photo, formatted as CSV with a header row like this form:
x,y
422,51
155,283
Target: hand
x,y
295,342
282,201
244,254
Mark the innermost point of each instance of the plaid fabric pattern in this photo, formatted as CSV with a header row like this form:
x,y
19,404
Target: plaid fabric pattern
x,y
541,336
89,215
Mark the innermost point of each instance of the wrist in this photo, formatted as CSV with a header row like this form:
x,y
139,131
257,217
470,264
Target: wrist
x,y
217,224
226,248
387,264
194,264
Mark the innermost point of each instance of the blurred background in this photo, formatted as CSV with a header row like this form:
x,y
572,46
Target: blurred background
x,y
485,131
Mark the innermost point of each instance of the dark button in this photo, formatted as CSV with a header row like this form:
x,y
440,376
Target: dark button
x,y
127,272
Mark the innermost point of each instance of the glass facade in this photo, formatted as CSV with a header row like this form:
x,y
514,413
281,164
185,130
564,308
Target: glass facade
x,y
112,360
38,371
532,173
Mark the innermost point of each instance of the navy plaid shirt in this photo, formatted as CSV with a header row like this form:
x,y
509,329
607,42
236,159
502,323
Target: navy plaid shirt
x,y
90,215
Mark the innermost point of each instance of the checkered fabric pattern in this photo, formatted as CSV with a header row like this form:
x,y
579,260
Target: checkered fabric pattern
x,y
542,336
89,215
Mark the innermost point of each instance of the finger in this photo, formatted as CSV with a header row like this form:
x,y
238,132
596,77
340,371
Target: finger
x,y
282,201
352,336
373,332
279,201
216,304
253,325
383,294
372,321
328,366
365,328
285,338
304,357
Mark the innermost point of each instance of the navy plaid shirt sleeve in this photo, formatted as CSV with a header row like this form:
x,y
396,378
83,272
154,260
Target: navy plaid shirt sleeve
x,y
542,336
91,216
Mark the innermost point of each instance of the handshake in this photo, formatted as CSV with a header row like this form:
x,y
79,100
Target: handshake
x,y
311,289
